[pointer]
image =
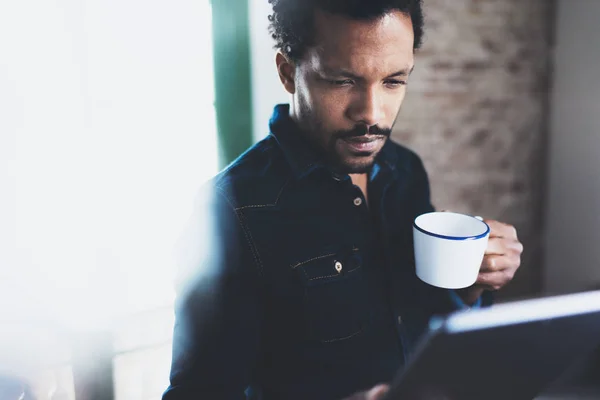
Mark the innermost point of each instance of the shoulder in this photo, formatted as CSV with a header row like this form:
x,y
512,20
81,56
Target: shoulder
x,y
255,178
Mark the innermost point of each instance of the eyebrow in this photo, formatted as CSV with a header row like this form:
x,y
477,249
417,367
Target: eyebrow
x,y
347,74
403,72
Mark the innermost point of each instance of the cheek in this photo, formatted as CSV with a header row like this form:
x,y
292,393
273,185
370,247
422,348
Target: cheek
x,y
394,103
329,98
329,106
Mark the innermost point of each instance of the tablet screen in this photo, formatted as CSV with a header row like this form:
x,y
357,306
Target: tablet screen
x,y
510,351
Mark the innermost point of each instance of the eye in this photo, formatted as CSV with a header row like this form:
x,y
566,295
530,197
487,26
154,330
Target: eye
x,y
342,82
394,83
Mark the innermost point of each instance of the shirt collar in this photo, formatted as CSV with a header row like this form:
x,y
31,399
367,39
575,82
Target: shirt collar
x,y
300,155
303,159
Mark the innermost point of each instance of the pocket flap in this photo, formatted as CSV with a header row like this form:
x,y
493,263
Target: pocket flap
x,y
333,265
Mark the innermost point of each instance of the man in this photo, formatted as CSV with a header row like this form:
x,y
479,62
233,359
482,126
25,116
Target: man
x,y
303,285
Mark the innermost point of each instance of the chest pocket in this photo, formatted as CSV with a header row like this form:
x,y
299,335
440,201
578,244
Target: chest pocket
x,y
335,297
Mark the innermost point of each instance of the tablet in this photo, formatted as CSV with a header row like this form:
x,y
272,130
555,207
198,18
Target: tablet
x,y
509,351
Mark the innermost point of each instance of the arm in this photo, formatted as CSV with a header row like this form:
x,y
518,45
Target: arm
x,y
218,311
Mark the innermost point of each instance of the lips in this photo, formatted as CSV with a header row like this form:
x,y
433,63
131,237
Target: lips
x,y
363,143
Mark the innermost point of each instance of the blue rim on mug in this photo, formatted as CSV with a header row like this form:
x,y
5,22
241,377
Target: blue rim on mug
x,y
475,237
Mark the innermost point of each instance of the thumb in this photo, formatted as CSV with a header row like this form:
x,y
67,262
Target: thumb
x,y
377,392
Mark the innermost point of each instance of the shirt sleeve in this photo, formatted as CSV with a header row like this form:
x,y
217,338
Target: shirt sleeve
x,y
460,304
218,309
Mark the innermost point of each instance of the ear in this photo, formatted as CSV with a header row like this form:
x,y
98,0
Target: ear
x,y
287,72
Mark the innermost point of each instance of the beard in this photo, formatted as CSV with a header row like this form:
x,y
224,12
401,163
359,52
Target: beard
x,y
357,162
333,149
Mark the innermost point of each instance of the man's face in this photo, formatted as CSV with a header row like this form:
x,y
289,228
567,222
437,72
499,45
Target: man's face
x,y
349,86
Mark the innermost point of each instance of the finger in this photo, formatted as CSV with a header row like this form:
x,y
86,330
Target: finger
x,y
495,246
500,229
495,280
377,392
501,246
495,263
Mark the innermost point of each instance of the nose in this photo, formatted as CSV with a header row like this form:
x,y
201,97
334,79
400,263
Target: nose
x,y
368,108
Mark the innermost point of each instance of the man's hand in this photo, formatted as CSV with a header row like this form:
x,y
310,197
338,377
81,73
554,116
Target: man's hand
x,y
500,263
375,393
502,257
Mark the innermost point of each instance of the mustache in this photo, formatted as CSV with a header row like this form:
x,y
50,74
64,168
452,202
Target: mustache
x,y
363,130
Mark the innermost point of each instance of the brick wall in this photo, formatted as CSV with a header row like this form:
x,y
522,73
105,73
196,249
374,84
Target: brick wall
x,y
477,113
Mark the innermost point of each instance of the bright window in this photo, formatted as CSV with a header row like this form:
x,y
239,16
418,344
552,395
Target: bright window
x,y
108,130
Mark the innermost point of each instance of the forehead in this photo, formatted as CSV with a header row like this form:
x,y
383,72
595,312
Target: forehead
x,y
377,45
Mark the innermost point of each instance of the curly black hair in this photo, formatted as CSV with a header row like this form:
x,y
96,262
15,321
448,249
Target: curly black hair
x,y
291,23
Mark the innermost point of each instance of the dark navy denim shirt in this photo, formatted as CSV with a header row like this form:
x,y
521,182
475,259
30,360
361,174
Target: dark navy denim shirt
x,y
296,288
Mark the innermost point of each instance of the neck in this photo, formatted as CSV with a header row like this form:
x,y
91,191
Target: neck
x,y
293,112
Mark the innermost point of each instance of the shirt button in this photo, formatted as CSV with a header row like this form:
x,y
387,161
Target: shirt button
x,y
399,320
357,201
338,266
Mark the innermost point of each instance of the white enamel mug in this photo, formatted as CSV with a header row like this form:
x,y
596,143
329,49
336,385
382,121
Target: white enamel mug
x,y
449,248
